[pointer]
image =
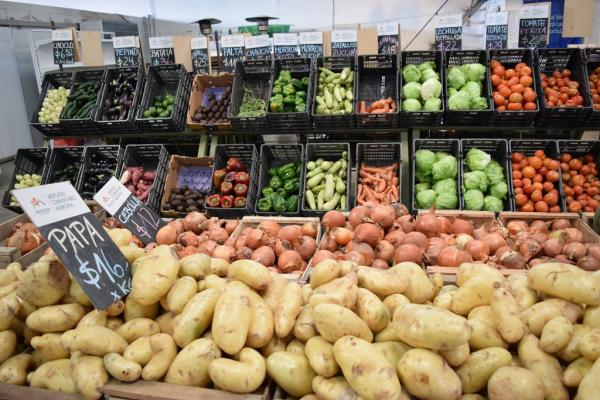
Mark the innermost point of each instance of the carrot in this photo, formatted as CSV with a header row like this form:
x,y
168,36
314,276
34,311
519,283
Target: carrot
x,y
363,107
388,101
395,191
383,110
381,186
377,104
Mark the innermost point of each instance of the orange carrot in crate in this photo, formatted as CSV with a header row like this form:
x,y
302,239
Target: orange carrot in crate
x,y
378,184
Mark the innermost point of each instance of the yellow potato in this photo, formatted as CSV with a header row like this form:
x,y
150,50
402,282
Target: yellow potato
x,y
324,272
58,318
94,317
115,309
44,282
524,295
25,309
588,389
472,397
394,301
306,292
195,317
53,375
7,289
137,328
347,267
274,291
544,366
89,374
181,292
305,327
121,368
426,375
536,316
467,271
387,335
505,311
335,388
295,346
94,340
232,317
444,297
334,321
589,344
215,282
291,371
382,282
571,351
393,351
7,277
9,308
190,366
165,322
514,383
219,267
420,288
591,316
121,237
556,334
367,370
114,323
457,356
164,351
252,273
484,333
320,357
18,327
196,266
477,291
243,376
372,310
49,347
154,275
565,281
575,372
475,372
14,370
132,252
8,344
139,351
430,327
341,291
276,344
288,310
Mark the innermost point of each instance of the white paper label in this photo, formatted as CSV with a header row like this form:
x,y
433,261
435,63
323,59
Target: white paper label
x,y
494,6
447,21
311,38
343,36
232,41
199,42
285,39
541,10
161,42
252,42
499,18
62,34
121,42
387,29
112,195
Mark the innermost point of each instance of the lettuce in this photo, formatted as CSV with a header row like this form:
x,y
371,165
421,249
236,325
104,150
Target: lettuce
x,y
499,190
491,203
411,73
448,185
426,198
456,78
447,167
431,88
411,90
433,105
411,105
475,180
429,74
459,101
424,160
473,199
477,159
446,201
419,187
473,88
473,72
494,172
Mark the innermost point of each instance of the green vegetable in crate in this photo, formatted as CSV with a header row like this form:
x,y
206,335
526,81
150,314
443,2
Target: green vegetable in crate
x,y
53,105
436,174
465,87
484,183
23,182
326,184
68,173
162,107
251,105
335,92
81,100
281,193
422,88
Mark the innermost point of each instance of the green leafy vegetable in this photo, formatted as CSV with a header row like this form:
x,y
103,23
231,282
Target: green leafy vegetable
x,y
459,101
446,201
456,78
499,190
411,73
447,185
475,180
431,88
447,167
473,199
411,105
477,159
491,203
424,160
419,187
433,105
473,88
474,72
412,90
494,172
426,198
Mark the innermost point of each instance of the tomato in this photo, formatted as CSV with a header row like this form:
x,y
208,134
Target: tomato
x,y
494,63
517,157
578,190
535,162
504,90
498,70
519,66
518,88
551,198
517,175
552,176
510,73
566,73
501,108
575,206
526,70
512,82
578,100
573,84
540,206
536,195
585,170
526,181
578,180
538,178
529,106
568,190
539,154
514,106
529,95
527,208
565,157
528,189
592,191
517,183
543,171
556,75
526,80
547,186
563,96
520,199
499,99
575,164
554,209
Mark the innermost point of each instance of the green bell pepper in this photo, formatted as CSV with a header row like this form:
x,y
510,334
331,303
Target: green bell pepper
x,y
290,99
298,85
272,171
275,182
283,168
288,173
305,81
267,191
281,192
289,90
298,168
264,205
301,94
276,90
292,186
291,204
300,107
299,100
279,205
276,103
273,196
285,77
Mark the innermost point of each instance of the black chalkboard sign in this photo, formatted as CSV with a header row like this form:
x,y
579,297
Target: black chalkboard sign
x,y
258,53
285,51
533,32
343,48
162,56
200,61
127,56
448,38
311,50
496,37
62,52
230,56
387,44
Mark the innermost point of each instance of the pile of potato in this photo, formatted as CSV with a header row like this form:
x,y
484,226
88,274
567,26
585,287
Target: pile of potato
x,y
351,332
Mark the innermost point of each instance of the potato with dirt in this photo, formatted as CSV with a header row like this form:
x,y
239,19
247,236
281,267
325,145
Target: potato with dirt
x,y
243,375
334,321
514,383
57,318
45,282
565,281
190,366
154,275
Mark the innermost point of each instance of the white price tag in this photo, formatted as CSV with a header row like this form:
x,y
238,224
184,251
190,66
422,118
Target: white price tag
x,y
387,29
311,37
285,39
232,41
253,42
62,34
343,36
541,10
120,42
447,21
494,6
161,42
199,42
112,195
499,18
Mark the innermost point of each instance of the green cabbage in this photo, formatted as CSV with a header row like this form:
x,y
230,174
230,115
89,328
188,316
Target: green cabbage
x,y
412,90
433,105
491,203
441,154
445,186
447,167
426,198
478,103
423,177
473,199
411,105
427,65
473,88
424,160
452,91
431,88
446,201
429,74
494,172
477,159
475,180
459,101
456,78
411,73
419,187
499,190
473,72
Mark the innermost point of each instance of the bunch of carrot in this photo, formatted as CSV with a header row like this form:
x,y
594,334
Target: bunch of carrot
x,y
378,184
378,107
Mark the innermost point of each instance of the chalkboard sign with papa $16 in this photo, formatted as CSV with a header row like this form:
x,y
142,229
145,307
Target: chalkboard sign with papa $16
x,y
79,240
62,46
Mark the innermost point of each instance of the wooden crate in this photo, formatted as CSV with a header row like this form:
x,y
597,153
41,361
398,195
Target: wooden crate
x,y
588,219
588,233
15,392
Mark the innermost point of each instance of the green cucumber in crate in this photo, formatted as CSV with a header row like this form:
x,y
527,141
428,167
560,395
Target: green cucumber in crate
x,y
81,100
326,184
334,95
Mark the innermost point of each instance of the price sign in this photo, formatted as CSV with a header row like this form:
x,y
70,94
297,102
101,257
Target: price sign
x,y
448,32
311,44
79,240
496,32
343,43
533,26
127,50
200,59
285,45
62,46
161,50
232,51
258,47
387,38
119,202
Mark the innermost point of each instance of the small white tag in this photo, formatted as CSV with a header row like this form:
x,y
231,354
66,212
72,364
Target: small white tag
x,y
541,10
311,38
199,42
232,41
62,34
161,42
499,18
120,42
112,195
285,39
253,42
447,21
343,36
386,29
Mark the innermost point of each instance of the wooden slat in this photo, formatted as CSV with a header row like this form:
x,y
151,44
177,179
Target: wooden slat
x,y
14,392
142,390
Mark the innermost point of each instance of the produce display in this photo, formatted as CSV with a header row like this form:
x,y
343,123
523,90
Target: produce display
x,y
282,189
288,94
326,184
25,237
139,181
436,175
231,185
535,181
23,182
512,87
162,107
251,105
380,106
560,90
97,174
215,109
422,90
67,174
119,97
335,92
184,199
53,104
594,77
580,182
81,100
378,184
484,183
465,88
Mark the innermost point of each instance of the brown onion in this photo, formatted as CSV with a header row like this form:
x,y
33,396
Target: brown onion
x,y
495,241
231,225
478,249
529,249
395,237
575,235
166,235
553,247
333,219
291,233
178,225
563,259
428,224
385,251
501,250
561,223
207,247
538,226
289,261
212,223
203,236
307,247
309,229
408,253
281,246
445,226
224,253
448,239
243,253
406,222
219,235
256,238
339,256
195,222
516,226
400,209
574,250
364,249
451,256
433,251
188,239
462,239
383,215
342,236
186,251
321,255
264,255
380,264
462,226
416,238
240,242
328,242
358,215
539,237
367,233
356,257
246,231
511,260
269,227
589,263
594,251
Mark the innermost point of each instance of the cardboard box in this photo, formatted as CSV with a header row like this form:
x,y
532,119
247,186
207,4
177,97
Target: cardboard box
x,y
182,46
199,86
175,165
367,41
91,48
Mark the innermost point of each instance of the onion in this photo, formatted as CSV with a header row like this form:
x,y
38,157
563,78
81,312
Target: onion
x,y
594,251
511,260
269,227
406,222
553,247
358,215
246,231
451,256
367,233
560,234
462,239
561,223
538,226
178,225
529,249
231,225
203,236
561,258
309,229
219,235
408,253
356,257
462,226
383,215
478,249
539,237
428,224
385,251
243,253
289,261
264,255
307,247
517,225
495,241
364,249
188,239
342,236
207,247
213,223
380,264
501,250
395,237
575,250
281,246
240,242
575,234
24,240
224,253
321,255
195,222
186,251
416,238
400,209
433,251
333,219
339,256
328,242
535,261
589,263
444,225
448,239
291,233
255,239
166,235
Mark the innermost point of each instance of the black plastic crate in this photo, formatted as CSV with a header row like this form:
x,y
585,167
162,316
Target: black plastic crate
x,y
247,154
125,125
276,155
377,77
467,117
93,156
498,149
253,77
549,60
152,157
528,148
328,152
58,159
86,124
593,61
342,121
299,67
451,146
380,154
509,58
579,148
27,161
421,118
52,80
161,80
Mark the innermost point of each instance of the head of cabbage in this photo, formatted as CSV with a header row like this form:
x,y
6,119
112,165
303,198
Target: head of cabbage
x,y
478,103
447,185
431,88
426,198
475,180
411,73
429,74
411,105
499,190
412,90
473,72
491,203
447,167
424,159
419,187
459,101
494,172
473,88
477,159
446,201
433,104
473,199
456,78
426,65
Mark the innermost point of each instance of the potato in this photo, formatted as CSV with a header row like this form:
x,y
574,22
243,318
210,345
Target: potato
x,y
7,289
295,346
320,357
591,316
430,327
288,310
536,316
44,282
274,291
347,267
115,309
484,333
334,321
387,335
394,301
475,372
425,374
323,272
232,317
121,237
219,267
25,308
291,371
215,282
154,275
588,389
420,288
372,310
444,297
164,351
113,323
132,253
305,327
556,335
196,266
505,311
14,370
243,376
89,374
565,281
335,388
575,372
262,327
53,375
8,344
252,273
393,351
18,327
306,292
467,271
94,317
514,383
457,356
181,292
139,351
276,344
7,277
58,318
190,366
589,344
367,370
49,347
195,317
544,366
93,340
137,328
477,291
121,368
342,291
571,351
382,282
524,295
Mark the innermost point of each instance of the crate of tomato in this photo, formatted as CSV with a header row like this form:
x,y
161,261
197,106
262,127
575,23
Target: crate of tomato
x,y
579,165
593,72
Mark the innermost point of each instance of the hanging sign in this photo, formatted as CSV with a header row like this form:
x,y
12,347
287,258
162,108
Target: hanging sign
x,y
387,38
127,50
62,46
533,26
79,240
448,32
232,51
311,44
496,30
285,45
119,202
161,50
258,47
343,43
494,6
200,58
